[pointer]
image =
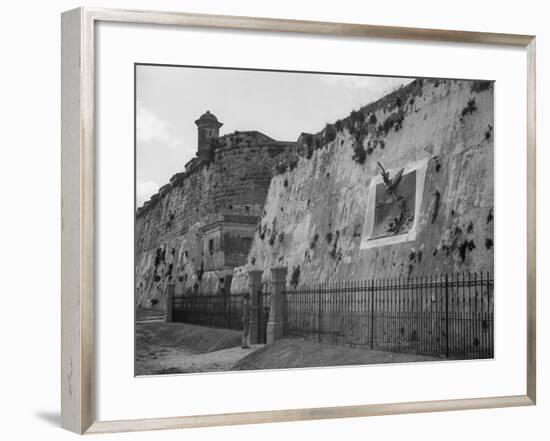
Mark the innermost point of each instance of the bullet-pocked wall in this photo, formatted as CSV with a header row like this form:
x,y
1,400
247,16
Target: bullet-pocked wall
x,y
316,209
169,227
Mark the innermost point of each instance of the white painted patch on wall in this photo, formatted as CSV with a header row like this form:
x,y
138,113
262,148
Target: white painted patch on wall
x,y
300,236
367,239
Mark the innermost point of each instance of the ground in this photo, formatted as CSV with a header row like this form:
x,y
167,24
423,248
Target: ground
x,y
170,348
294,353
148,314
163,348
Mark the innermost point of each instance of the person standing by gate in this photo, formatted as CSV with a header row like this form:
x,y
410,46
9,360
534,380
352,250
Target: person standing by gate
x,y
246,316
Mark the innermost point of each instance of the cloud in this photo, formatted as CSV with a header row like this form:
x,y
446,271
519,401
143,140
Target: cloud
x,y
144,190
151,129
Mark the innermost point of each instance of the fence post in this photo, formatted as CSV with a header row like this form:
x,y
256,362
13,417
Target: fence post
x,y
275,322
372,316
447,336
227,279
229,311
254,286
170,293
320,314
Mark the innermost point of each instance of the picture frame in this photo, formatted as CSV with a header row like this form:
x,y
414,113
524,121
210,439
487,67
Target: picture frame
x,y
78,393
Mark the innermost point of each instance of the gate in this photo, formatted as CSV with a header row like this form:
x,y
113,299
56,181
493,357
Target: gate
x,y
264,300
222,311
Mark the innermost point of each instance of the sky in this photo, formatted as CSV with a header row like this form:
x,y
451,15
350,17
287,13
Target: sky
x,y
279,104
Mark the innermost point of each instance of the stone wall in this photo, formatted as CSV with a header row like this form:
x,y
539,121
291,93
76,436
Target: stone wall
x,y
242,175
314,216
169,240
178,205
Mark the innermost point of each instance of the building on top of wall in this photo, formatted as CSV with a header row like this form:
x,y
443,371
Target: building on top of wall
x,y
205,218
227,241
208,127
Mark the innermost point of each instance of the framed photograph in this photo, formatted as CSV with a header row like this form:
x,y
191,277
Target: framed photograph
x,y
271,205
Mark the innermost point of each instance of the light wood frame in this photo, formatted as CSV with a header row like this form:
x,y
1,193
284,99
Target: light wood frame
x,y
77,218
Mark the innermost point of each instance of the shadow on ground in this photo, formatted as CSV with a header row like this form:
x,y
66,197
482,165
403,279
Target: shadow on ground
x,y
52,418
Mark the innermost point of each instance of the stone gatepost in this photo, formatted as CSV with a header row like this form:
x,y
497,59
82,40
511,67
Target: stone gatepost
x,y
255,287
275,322
170,293
227,279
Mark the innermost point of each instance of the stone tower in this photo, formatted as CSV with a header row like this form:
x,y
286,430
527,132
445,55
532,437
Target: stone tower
x,y
209,129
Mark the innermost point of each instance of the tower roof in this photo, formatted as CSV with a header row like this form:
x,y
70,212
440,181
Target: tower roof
x,y
208,118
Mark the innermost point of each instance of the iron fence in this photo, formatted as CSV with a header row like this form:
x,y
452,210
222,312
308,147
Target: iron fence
x,y
220,311
445,315
217,311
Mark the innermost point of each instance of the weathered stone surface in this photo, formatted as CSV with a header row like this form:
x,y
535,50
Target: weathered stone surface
x,y
314,216
312,198
231,189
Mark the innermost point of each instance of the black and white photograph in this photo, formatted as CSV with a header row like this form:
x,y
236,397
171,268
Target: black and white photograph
x,y
288,219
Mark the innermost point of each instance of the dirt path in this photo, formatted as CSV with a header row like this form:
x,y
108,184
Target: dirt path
x,y
178,361
171,348
167,348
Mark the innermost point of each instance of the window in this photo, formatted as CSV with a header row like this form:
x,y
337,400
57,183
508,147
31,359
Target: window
x,y
211,246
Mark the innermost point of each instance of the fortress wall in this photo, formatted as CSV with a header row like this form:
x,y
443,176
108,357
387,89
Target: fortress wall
x,y
315,212
242,177
169,241
169,244
177,206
